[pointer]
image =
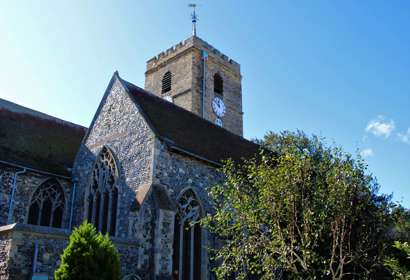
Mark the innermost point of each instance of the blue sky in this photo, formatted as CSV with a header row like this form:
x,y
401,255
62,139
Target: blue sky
x,y
338,69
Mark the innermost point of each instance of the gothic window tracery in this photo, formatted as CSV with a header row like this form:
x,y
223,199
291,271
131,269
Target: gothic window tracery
x,y
103,194
187,238
166,82
47,205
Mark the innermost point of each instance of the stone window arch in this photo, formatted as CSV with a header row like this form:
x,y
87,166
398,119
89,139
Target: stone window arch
x,y
47,205
187,248
166,82
103,195
218,84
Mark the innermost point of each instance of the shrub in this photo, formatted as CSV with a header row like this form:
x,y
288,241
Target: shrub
x,y
89,255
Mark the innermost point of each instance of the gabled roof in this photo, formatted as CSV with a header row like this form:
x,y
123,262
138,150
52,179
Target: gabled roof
x,y
36,140
186,132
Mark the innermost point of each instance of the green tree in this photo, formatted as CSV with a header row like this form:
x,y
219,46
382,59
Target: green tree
x,y
89,255
301,209
398,252
400,267
401,229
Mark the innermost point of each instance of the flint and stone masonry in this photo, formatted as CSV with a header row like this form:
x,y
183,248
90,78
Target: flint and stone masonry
x,y
157,152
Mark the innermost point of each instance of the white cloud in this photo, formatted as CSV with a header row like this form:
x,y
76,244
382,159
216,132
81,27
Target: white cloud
x,y
380,127
368,152
404,137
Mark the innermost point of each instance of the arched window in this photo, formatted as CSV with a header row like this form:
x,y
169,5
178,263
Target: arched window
x,y
47,205
103,194
187,238
166,82
218,84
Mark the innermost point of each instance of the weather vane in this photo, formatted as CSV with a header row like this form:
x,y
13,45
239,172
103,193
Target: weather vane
x,y
194,18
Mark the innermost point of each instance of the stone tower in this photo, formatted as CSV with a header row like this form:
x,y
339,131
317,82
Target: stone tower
x,y
197,77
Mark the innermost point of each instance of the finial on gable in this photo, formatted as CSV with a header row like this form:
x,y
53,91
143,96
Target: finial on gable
x,y
194,19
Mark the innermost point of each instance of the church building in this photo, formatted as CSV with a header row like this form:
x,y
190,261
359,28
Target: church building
x,y
140,172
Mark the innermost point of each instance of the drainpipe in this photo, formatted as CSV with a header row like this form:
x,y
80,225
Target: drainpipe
x,y
35,257
1,184
13,193
72,204
204,59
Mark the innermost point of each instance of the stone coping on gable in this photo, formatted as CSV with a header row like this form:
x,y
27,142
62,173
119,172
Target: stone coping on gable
x,y
58,233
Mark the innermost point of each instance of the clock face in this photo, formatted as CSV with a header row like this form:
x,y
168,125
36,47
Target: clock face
x,y
218,107
218,122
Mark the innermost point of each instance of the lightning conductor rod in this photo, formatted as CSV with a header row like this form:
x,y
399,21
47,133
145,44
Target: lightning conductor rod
x,y
194,19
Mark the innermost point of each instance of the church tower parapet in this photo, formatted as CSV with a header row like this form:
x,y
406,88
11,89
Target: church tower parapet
x,y
198,77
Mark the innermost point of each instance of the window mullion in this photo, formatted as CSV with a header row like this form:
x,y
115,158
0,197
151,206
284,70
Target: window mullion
x,y
94,208
50,222
101,214
40,212
109,211
181,249
191,261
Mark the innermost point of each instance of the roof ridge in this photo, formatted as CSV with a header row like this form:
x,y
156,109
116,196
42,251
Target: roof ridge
x,y
186,132
126,83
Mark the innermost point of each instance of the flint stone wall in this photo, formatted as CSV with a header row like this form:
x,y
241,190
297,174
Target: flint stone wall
x,y
6,181
178,172
20,239
17,247
5,246
119,126
27,184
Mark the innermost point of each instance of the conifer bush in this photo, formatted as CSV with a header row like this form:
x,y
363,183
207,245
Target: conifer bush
x,y
89,255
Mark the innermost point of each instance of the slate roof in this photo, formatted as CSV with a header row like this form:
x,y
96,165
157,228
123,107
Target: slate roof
x,y
189,133
37,140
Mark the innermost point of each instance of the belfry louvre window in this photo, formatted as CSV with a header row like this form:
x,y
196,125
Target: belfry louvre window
x,y
187,239
47,205
218,84
166,82
103,194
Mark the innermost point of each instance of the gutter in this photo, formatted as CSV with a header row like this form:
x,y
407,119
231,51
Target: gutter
x,y
175,148
13,194
170,144
34,170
